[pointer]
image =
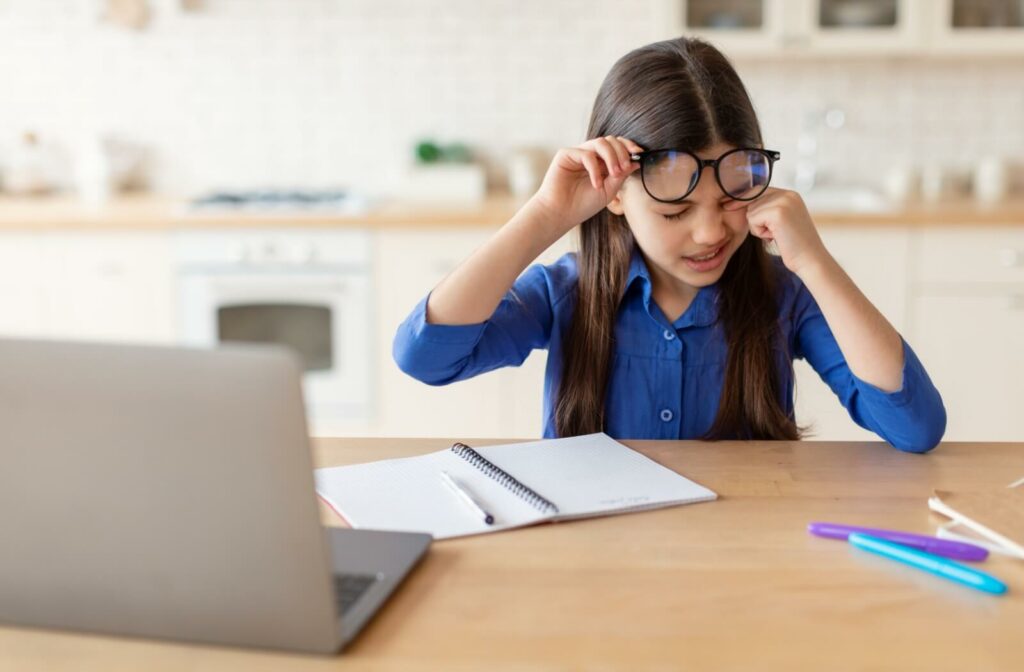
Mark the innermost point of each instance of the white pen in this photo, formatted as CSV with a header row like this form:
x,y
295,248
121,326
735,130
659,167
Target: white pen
x,y
466,497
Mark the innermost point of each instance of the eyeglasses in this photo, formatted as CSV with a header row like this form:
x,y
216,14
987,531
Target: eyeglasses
x,y
669,175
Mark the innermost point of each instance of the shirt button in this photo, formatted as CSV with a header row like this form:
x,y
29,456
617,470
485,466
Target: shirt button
x,y
668,334
666,415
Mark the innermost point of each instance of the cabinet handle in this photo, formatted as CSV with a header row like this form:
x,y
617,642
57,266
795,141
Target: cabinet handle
x,y
1009,257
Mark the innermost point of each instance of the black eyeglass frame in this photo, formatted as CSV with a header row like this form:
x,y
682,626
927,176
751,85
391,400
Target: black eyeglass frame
x,y
770,154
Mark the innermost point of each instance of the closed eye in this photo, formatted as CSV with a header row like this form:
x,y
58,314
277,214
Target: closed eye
x,y
678,215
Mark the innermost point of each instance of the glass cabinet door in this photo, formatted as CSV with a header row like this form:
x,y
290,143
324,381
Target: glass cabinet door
x,y
805,27
737,27
978,26
774,28
866,26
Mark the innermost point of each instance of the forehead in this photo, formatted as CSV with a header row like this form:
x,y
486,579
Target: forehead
x,y
714,151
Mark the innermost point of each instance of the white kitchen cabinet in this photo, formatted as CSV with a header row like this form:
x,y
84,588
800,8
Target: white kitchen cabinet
x,y
974,341
876,258
987,27
409,263
877,27
760,29
967,319
738,27
23,285
114,286
501,403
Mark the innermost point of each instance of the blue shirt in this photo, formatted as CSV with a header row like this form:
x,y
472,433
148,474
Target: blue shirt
x,y
666,378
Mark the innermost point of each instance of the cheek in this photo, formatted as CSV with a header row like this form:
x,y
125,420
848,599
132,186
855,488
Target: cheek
x,y
645,226
736,221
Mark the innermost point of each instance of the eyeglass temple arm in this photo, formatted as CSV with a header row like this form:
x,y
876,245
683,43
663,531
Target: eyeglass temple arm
x,y
773,154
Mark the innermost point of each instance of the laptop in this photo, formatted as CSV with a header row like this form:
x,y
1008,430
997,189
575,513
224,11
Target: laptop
x,y
168,493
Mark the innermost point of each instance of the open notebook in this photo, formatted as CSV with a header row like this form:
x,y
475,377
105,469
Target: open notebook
x,y
520,484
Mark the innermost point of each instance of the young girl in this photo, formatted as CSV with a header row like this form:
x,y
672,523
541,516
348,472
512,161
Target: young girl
x,y
672,321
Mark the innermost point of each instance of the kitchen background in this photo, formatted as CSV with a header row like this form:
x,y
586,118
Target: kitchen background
x,y
305,170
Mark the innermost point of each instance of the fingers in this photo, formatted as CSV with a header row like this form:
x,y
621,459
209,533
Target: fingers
x,y
606,158
620,150
606,149
593,166
614,152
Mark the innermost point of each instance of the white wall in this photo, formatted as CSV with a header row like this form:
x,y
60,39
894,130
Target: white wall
x,y
250,93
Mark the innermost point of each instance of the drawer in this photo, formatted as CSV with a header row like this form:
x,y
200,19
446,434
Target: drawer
x,y
970,254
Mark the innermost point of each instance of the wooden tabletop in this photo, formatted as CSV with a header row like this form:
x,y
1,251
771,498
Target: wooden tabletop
x,y
731,584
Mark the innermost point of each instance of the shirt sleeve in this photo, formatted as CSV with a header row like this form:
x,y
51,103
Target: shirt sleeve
x,y
912,419
438,354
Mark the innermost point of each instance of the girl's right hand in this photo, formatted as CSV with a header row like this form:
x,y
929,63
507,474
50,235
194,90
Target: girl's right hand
x,y
582,180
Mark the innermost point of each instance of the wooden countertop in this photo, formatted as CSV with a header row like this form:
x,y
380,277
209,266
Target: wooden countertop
x,y
149,212
734,584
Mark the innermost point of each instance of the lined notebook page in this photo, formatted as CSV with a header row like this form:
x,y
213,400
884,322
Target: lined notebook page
x,y
594,475
407,495
583,476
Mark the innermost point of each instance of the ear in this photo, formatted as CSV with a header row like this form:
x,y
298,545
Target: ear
x,y
615,205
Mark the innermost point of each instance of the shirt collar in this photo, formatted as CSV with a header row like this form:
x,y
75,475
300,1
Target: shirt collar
x,y
702,312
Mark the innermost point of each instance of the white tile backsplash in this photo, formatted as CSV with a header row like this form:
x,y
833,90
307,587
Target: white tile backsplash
x,y
250,93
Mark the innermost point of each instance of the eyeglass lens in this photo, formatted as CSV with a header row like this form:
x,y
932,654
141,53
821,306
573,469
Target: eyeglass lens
x,y
671,175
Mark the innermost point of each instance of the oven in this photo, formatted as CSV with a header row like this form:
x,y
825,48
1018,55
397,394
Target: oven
x,y
309,290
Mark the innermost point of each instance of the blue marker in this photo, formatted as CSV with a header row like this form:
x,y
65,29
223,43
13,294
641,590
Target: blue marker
x,y
934,564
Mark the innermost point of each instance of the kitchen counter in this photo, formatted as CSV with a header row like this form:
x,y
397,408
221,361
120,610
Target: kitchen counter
x,y
151,212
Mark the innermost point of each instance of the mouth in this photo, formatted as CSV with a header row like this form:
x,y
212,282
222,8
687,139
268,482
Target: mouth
x,y
708,261
710,255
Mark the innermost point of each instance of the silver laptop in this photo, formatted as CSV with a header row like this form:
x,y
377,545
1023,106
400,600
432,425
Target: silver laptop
x,y
168,493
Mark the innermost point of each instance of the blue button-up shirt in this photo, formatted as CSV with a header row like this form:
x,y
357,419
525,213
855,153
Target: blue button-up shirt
x,y
666,377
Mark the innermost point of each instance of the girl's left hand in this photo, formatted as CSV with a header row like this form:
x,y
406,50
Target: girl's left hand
x,y
780,215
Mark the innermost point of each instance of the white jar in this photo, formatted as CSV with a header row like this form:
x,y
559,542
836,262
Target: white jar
x,y
93,171
991,180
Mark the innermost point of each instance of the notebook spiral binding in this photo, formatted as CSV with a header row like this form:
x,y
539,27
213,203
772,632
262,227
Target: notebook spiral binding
x,y
505,479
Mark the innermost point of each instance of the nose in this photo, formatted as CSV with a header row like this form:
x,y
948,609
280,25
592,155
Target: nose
x,y
710,230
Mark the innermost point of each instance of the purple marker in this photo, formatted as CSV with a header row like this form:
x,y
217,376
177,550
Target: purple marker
x,y
949,549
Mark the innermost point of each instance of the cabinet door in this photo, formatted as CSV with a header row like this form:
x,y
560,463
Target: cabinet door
x,y
976,26
767,28
23,285
972,346
865,27
111,286
876,259
410,262
737,27
503,403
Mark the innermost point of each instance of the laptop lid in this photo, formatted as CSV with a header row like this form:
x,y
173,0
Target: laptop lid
x,y
160,492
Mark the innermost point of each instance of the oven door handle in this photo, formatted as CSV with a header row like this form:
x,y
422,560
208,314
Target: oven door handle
x,y
277,287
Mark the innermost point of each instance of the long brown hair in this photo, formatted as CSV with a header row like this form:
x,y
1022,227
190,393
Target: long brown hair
x,y
676,93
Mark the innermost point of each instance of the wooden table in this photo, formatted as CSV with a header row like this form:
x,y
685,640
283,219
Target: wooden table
x,y
732,584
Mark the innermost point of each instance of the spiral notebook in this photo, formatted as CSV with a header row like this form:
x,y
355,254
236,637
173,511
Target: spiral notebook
x,y
520,484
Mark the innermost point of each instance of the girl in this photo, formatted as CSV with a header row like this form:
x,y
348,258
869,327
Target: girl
x,y
672,321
